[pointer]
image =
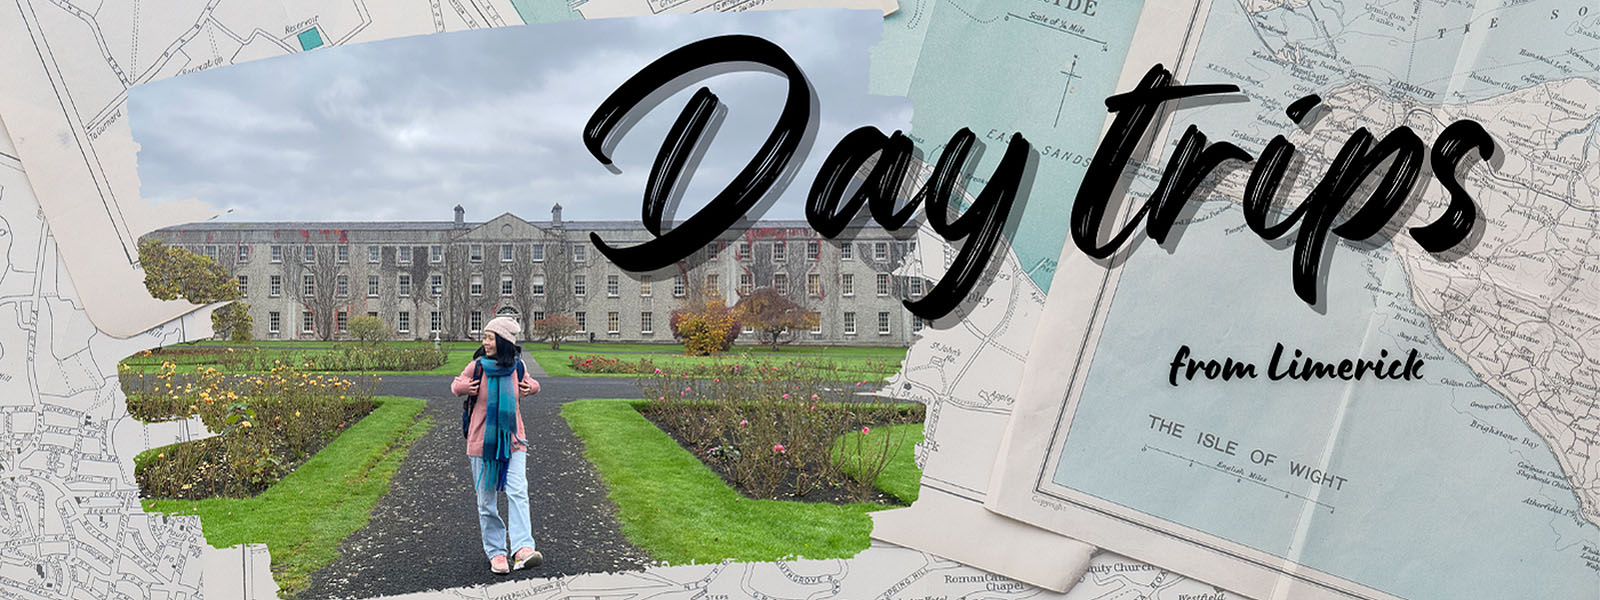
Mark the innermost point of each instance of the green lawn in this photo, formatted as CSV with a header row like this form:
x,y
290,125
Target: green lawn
x,y
858,363
303,518
678,510
901,478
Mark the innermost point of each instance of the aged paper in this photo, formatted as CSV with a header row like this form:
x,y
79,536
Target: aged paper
x,y
1423,429
967,372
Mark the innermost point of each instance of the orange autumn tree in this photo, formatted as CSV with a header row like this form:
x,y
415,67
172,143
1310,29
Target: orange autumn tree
x,y
705,325
773,314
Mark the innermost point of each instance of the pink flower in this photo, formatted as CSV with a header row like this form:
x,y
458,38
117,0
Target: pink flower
x,y
859,383
658,371
778,448
716,380
785,396
813,407
813,396
663,398
866,430
743,422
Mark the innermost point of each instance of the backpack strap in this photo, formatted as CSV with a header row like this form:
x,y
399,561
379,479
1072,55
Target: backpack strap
x,y
468,400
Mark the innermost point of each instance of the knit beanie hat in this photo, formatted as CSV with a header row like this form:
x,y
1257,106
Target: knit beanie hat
x,y
505,327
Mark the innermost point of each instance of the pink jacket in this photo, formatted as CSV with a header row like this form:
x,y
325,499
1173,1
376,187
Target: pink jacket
x,y
459,387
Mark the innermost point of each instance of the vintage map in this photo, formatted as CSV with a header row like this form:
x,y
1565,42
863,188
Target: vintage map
x,y
1476,479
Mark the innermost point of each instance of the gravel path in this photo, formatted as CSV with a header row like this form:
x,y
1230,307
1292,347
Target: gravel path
x,y
424,532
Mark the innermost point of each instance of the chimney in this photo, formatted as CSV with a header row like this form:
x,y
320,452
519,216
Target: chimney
x,y
555,215
461,214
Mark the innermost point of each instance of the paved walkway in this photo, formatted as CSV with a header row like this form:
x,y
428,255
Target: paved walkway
x,y
424,532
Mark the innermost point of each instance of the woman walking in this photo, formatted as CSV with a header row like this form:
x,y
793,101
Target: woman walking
x,y
497,445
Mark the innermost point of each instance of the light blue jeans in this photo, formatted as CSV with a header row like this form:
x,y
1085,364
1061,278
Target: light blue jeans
x,y
489,521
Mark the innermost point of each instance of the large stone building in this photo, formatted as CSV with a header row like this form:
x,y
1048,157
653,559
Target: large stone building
x,y
445,279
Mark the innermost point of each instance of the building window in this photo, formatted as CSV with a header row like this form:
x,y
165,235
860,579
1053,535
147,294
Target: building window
x,y
613,323
538,285
883,284
277,254
404,324
579,286
403,284
916,287
677,286
916,324
475,253
342,254
211,252
372,313
244,285
713,249
849,323
847,284
880,251
583,321
506,288
813,250
744,250
309,252
405,255
436,285
780,251
505,253
341,321
374,254
883,323
747,329
746,284
538,315
434,322
475,322
714,283
436,256
475,287
613,288
244,253
580,253
538,253
813,284
816,329
274,322
845,253
780,281
341,286
644,287
307,325
308,285
646,323
274,286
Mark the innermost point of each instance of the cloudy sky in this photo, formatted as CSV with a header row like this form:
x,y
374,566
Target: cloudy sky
x,y
491,120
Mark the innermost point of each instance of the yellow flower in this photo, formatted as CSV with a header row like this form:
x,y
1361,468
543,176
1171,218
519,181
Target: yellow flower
x,y
244,424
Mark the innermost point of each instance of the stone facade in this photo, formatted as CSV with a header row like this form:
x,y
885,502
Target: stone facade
x,y
303,281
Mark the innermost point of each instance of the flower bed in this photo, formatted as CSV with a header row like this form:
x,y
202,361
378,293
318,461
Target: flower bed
x,y
420,357
266,425
773,436
600,364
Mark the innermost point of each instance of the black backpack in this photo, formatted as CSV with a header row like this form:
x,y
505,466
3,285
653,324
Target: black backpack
x,y
468,400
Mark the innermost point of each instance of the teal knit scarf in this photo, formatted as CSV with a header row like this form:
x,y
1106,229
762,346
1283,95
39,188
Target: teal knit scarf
x,y
499,422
